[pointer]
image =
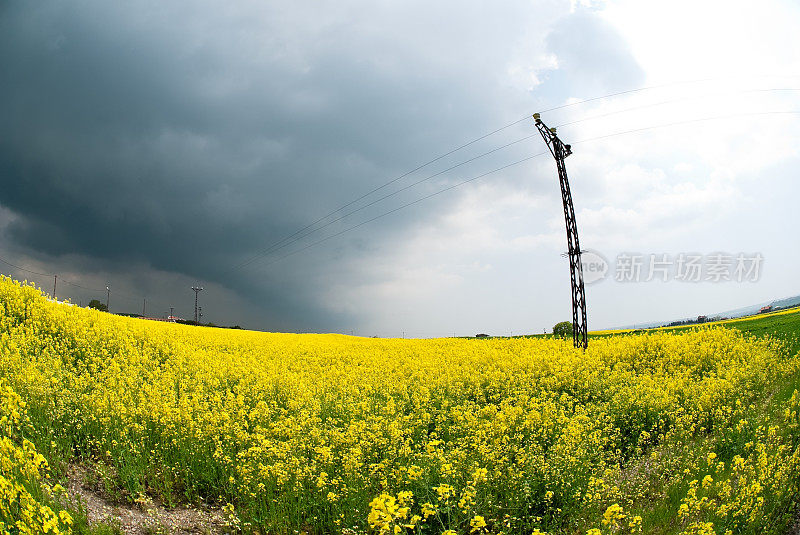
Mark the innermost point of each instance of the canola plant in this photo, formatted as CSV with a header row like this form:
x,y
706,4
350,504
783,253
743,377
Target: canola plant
x,y
675,433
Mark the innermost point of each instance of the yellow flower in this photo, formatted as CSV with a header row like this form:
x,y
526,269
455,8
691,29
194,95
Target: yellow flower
x,y
280,423
428,509
613,515
477,523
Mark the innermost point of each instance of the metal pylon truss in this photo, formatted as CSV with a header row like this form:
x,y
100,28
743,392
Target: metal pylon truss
x,y
560,151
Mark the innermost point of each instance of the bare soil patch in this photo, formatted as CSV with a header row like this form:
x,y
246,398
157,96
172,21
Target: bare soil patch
x,y
146,518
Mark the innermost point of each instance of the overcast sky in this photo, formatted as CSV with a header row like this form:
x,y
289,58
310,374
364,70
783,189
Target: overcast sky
x,y
151,146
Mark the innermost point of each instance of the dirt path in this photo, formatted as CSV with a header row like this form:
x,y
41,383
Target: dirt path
x,y
148,519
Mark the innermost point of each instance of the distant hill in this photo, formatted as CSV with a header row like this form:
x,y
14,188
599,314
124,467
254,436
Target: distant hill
x,y
786,302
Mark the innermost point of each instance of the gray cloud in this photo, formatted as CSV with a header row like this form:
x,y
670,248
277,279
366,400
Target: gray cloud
x,y
185,138
592,57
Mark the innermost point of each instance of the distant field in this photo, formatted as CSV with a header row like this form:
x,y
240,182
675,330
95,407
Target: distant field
x,y
695,431
784,324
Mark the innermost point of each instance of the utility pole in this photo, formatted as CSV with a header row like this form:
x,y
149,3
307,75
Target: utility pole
x,y
55,280
560,151
197,290
171,310
144,307
108,298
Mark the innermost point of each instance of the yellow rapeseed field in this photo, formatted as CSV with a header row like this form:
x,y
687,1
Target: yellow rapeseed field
x,y
669,433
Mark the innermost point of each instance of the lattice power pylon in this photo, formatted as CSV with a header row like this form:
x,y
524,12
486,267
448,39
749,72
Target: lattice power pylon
x,y
560,151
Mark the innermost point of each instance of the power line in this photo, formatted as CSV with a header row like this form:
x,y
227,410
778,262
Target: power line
x,y
376,201
658,86
690,121
82,287
123,295
27,270
426,197
375,190
452,151
49,275
301,233
682,99
677,123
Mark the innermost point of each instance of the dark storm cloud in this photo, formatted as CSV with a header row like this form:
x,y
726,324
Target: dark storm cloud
x,y
188,140
189,136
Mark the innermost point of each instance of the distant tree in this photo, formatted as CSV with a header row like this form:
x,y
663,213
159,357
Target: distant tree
x,y
563,329
94,303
